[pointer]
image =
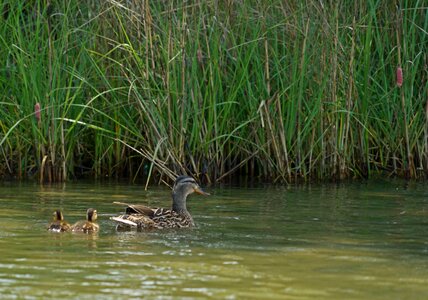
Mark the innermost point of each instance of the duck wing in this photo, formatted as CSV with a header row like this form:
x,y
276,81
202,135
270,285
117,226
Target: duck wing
x,y
143,217
135,220
137,209
167,218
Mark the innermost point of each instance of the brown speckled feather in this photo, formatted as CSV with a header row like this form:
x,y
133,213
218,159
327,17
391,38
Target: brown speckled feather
x,y
137,209
160,219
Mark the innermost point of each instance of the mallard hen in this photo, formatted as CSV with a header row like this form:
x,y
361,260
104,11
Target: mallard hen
x,y
143,217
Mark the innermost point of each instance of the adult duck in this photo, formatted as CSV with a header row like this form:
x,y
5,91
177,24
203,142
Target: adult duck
x,y
58,224
89,225
144,217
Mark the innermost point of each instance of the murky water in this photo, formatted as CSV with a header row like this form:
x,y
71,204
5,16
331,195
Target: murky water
x,y
348,241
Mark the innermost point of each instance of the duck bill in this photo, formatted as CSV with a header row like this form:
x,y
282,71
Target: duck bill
x,y
199,191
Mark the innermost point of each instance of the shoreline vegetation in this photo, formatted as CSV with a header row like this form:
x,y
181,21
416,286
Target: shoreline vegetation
x,y
277,90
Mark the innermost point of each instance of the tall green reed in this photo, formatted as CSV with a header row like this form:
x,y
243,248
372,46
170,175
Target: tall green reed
x,y
278,90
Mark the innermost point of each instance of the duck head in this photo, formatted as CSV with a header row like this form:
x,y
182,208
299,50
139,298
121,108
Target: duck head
x,y
58,216
184,186
91,215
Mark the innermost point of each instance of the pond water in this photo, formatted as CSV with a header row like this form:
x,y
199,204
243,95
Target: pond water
x,y
365,240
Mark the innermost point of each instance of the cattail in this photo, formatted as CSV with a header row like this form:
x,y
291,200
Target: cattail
x,y
426,110
399,77
200,56
37,111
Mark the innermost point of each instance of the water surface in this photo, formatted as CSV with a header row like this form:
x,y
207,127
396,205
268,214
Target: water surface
x,y
349,241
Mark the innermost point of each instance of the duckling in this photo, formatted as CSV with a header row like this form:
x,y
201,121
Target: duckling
x,y
143,217
87,226
58,224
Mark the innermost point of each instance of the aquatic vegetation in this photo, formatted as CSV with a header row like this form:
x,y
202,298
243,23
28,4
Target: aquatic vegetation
x,y
399,77
151,89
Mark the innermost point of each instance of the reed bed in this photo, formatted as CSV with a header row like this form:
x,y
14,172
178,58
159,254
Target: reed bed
x,y
276,90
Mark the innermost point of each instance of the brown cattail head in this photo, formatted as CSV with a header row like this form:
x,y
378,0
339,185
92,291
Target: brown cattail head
x,y
37,111
399,76
426,109
200,56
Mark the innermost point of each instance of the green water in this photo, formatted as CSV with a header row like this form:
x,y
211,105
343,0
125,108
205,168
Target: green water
x,y
348,241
